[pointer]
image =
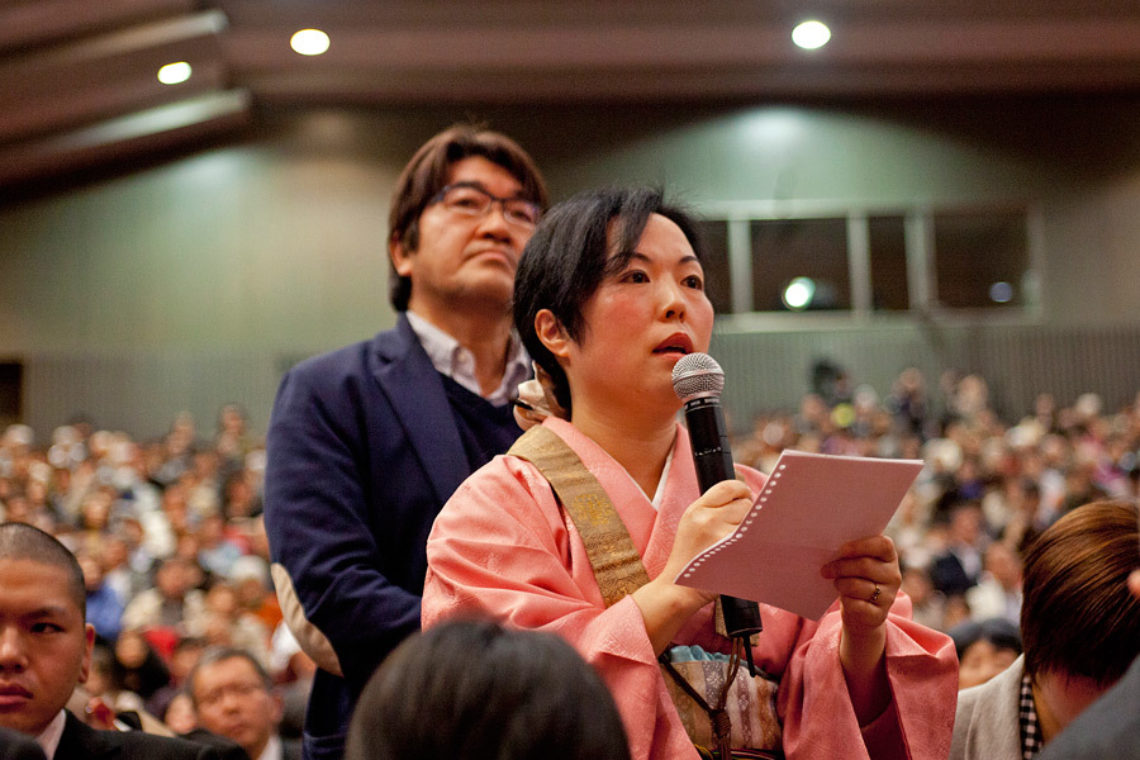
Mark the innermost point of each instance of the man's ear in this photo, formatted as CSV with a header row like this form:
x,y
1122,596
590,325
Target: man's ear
x,y
552,334
89,644
401,257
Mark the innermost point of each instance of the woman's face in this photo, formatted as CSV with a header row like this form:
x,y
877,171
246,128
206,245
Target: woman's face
x,y
639,322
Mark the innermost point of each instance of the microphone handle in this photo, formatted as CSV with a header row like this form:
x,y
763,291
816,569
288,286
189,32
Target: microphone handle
x,y
712,456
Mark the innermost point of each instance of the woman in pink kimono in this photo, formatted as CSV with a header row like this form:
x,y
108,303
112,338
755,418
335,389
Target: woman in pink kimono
x,y
609,295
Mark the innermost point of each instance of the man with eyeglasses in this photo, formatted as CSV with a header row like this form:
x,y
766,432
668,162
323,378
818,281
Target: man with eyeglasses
x,y
233,697
366,443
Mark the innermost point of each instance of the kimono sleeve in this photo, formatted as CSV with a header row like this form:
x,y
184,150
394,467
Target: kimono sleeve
x,y
922,668
502,549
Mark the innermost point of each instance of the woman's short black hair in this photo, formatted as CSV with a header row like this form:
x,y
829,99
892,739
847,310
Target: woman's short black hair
x,y
569,256
474,689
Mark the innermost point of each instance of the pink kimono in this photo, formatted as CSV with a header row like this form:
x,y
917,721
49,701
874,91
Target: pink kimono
x,y
503,548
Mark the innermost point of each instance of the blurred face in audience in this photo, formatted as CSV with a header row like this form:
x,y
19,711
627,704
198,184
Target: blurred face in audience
x,y
981,661
233,701
172,579
45,646
180,716
1004,565
92,572
917,585
131,649
966,525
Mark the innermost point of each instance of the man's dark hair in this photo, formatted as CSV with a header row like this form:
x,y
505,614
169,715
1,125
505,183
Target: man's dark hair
x,y
427,173
22,541
1078,617
475,689
215,655
569,255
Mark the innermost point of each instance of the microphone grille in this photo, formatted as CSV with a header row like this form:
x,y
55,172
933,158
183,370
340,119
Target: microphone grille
x,y
697,375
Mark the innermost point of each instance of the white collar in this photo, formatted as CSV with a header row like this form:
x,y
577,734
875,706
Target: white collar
x,y
272,749
453,360
660,494
48,739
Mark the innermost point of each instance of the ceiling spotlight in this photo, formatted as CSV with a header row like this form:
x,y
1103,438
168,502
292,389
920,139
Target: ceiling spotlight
x,y
811,35
309,42
174,73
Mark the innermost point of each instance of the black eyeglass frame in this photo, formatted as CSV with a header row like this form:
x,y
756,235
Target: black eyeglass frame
x,y
504,203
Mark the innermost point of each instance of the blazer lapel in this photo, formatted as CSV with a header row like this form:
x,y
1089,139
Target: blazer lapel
x,y
81,742
406,375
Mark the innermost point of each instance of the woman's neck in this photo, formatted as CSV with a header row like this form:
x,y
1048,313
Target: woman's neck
x,y
640,448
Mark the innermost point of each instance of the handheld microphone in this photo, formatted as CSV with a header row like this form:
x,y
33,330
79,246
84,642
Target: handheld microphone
x,y
698,381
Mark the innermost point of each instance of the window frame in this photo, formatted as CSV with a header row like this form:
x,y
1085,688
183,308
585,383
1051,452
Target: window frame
x,y
922,285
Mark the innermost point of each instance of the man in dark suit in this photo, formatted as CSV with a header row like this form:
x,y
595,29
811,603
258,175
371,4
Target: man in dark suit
x,y
81,742
959,567
45,652
366,443
233,697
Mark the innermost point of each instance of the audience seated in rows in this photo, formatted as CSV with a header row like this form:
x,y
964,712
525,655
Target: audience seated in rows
x,y
126,506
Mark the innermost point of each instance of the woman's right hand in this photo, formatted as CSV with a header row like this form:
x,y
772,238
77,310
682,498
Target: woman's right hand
x,y
707,520
665,605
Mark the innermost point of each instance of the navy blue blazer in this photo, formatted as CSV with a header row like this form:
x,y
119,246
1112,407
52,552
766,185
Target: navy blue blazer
x,y
363,452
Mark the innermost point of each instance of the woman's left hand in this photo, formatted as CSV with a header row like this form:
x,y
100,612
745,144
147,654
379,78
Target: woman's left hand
x,y
866,575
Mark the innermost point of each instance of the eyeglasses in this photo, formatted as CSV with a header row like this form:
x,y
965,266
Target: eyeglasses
x,y
237,688
469,199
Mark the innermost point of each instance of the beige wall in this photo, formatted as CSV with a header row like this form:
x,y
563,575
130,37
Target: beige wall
x,y
194,281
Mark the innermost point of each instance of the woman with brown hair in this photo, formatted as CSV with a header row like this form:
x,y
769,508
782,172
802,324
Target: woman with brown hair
x,y
1080,628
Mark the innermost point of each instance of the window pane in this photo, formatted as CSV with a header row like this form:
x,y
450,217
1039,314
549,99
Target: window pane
x,y
981,258
888,263
11,376
786,249
718,287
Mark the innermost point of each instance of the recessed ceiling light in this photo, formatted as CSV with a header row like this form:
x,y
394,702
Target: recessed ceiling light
x,y
174,73
310,42
811,35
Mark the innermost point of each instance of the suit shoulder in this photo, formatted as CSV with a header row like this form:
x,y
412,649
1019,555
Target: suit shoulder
x,y
352,360
338,361
137,744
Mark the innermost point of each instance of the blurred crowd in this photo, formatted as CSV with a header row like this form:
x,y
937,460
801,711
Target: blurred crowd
x,y
990,485
170,536
171,540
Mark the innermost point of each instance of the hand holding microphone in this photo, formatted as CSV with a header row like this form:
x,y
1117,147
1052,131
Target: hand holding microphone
x,y
698,381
